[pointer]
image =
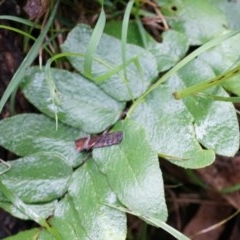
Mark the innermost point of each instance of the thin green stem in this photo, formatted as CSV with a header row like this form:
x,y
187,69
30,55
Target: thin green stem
x,y
208,84
220,98
30,57
124,43
181,64
20,20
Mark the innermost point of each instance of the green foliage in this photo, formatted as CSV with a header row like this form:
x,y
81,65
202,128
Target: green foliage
x,y
86,195
28,60
108,69
84,211
34,133
199,20
37,178
82,104
136,164
32,234
223,57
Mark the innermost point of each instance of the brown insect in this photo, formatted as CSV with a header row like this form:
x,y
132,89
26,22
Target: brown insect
x,y
104,140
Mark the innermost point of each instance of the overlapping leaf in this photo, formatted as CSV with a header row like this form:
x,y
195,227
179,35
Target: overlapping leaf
x,y
215,122
174,127
129,172
172,48
43,211
84,214
108,58
133,172
37,178
169,127
114,28
231,9
25,134
41,234
199,20
81,103
224,57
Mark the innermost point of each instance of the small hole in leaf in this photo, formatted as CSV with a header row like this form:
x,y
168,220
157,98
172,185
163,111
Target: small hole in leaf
x,y
174,8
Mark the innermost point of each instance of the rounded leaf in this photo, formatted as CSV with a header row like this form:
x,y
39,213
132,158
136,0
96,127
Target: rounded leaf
x,y
224,57
170,130
84,213
43,210
215,122
133,172
81,103
37,178
26,134
167,53
107,60
199,20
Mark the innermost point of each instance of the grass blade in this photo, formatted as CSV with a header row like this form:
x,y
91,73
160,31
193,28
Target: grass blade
x,y
27,60
182,63
95,38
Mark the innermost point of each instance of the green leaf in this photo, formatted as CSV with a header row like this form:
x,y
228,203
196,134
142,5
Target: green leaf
x,y
167,53
28,60
37,178
233,85
107,69
170,130
133,172
231,9
199,20
224,57
43,210
81,104
67,221
93,42
173,47
215,122
33,234
83,213
26,134
114,28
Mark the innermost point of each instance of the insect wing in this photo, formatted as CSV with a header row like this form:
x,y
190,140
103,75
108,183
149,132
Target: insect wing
x,y
109,139
86,143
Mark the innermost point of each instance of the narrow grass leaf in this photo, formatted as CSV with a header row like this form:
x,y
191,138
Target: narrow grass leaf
x,y
93,43
32,54
109,55
214,42
125,24
20,20
215,122
223,59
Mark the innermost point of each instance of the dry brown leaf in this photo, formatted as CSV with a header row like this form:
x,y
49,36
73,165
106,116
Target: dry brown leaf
x,y
223,174
207,216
